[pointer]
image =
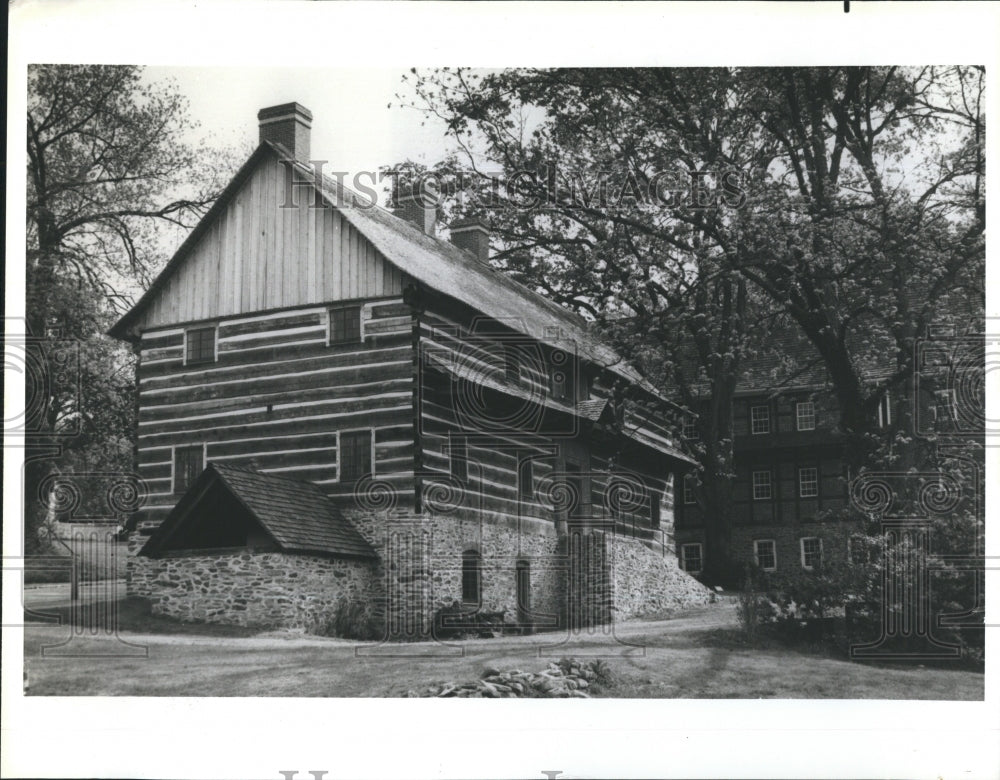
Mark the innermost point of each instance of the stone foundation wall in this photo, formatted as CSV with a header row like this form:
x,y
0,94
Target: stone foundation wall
x,y
566,579
276,590
649,581
598,578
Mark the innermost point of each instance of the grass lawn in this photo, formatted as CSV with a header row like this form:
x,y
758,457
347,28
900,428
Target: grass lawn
x,y
695,655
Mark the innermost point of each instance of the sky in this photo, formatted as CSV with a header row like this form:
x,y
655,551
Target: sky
x,y
353,127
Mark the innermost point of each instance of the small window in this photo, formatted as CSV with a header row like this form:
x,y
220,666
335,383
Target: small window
x,y
472,583
689,488
345,325
458,456
522,582
691,558
690,429
805,416
654,509
525,479
512,364
188,464
761,485
760,419
199,346
355,455
812,551
764,554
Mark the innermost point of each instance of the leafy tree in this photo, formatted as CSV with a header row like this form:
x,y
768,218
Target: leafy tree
x,y
596,209
109,175
785,192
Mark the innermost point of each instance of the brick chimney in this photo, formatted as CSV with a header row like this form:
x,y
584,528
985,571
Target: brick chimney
x,y
420,210
472,235
289,125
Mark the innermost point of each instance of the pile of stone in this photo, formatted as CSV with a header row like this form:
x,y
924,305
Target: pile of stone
x,y
569,678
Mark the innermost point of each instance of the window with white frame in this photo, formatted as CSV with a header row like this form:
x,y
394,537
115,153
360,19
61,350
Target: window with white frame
x,y
805,416
689,487
690,427
760,419
765,555
808,482
812,551
691,557
199,345
762,486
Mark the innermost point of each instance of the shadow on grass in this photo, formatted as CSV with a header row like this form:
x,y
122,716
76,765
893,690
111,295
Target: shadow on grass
x,y
136,615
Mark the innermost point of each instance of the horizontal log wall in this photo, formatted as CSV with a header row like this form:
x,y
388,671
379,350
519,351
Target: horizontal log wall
x,y
449,408
277,398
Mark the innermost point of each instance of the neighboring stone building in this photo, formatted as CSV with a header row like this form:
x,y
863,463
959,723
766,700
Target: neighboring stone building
x,y
336,406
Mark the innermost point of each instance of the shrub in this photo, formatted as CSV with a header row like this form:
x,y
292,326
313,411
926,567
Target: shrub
x,y
351,619
753,608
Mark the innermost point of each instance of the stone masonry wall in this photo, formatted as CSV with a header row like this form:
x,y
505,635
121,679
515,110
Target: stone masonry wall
x,y
647,582
419,572
276,590
640,580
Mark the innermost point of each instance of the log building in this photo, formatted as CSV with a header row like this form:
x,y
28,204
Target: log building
x,y
338,408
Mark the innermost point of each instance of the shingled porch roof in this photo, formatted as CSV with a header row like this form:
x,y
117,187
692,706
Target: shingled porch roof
x,y
296,515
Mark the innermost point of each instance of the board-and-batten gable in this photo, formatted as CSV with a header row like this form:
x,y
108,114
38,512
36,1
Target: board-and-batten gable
x,y
259,255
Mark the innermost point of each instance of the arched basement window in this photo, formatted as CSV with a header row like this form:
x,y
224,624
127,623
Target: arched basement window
x,y
472,584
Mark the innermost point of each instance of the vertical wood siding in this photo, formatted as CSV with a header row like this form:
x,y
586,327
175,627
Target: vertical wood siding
x,y
258,256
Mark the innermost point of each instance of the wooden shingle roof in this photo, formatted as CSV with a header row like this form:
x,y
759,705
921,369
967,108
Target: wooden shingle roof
x,y
297,515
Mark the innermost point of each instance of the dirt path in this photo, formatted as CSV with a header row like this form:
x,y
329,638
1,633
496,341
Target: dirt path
x,y
678,657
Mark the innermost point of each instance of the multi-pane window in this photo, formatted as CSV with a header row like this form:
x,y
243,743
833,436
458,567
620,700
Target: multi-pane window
x,y
761,485
525,479
812,551
764,554
691,557
689,486
458,456
188,464
808,482
355,455
472,581
690,429
199,345
805,416
345,325
760,419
